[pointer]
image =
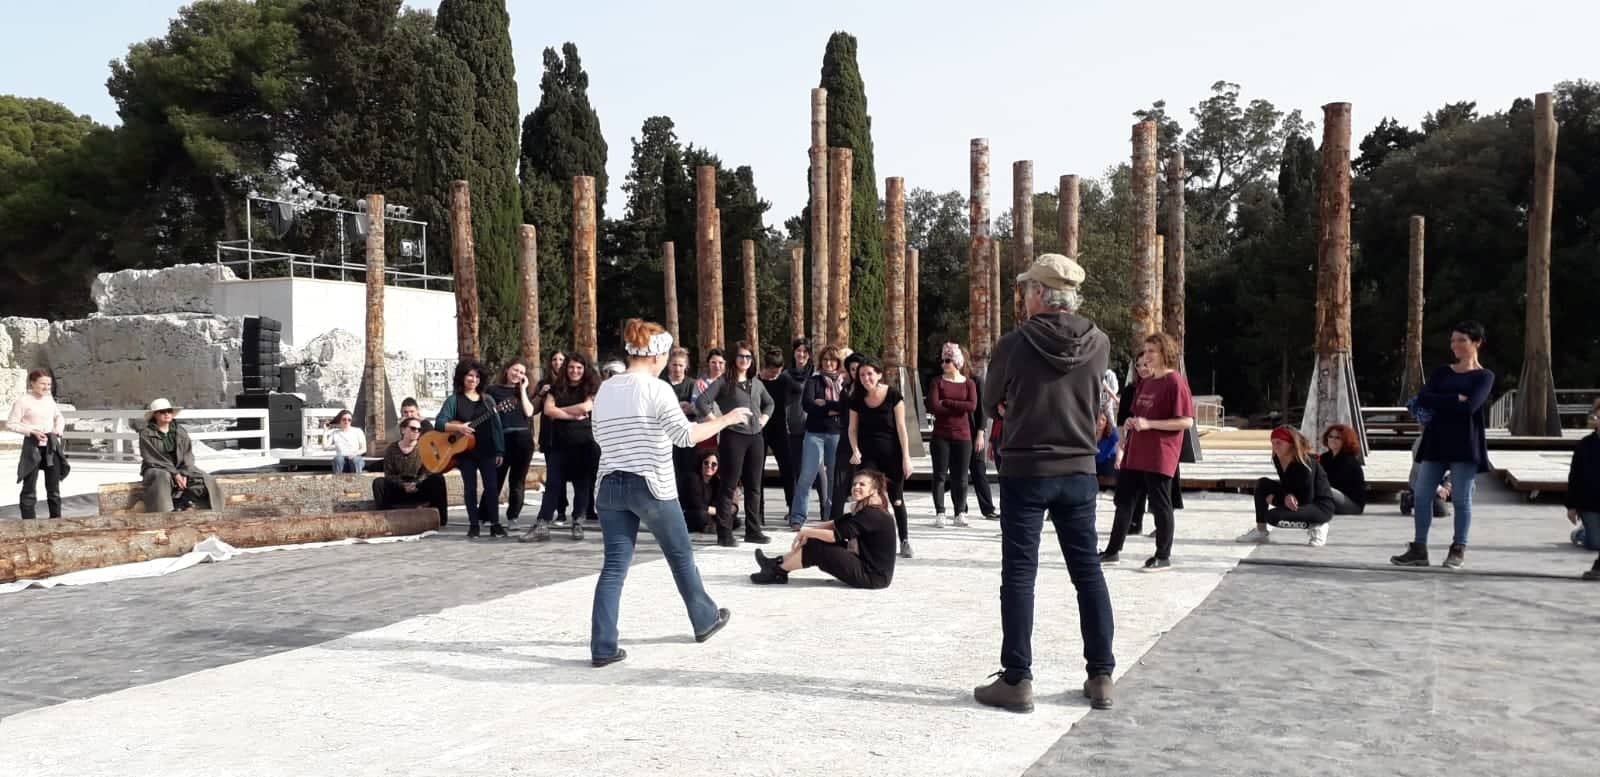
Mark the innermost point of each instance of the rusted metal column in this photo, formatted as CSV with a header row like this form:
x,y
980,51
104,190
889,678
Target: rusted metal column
x,y
752,324
464,263
1535,413
996,251
979,272
1145,273
1411,379
1175,288
584,336
375,419
840,176
719,311
1067,215
820,220
669,282
1021,232
894,276
528,263
1332,399
913,284
706,302
797,293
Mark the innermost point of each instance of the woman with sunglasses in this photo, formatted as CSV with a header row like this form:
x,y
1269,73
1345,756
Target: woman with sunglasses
x,y
741,447
349,444
858,549
697,491
952,398
404,482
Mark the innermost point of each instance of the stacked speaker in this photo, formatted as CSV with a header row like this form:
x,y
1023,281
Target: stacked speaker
x,y
261,354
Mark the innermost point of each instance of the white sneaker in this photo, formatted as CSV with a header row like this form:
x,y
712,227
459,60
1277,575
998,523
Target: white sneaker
x,y
1318,535
959,520
1257,534
938,520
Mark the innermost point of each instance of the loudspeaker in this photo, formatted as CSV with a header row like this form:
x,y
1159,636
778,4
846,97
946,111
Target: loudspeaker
x,y
260,348
284,413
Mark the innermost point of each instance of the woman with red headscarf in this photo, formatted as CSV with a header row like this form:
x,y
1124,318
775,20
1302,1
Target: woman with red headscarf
x,y
1300,498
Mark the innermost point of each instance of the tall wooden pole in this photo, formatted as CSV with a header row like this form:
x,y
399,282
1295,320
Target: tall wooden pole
x,y
821,248
1174,288
752,322
840,178
797,293
528,263
719,310
1411,380
1332,399
705,203
913,285
1145,273
584,235
1160,280
1535,413
669,282
894,342
1021,232
996,328
464,263
376,419
1067,215
979,274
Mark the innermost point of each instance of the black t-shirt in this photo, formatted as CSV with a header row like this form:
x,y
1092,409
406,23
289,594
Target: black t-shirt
x,y
512,419
875,426
570,435
468,410
878,540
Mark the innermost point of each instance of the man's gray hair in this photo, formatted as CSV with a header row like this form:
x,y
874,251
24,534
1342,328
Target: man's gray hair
x,y
1068,300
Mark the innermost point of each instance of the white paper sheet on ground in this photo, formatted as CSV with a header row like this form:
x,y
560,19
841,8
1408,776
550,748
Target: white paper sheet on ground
x,y
208,550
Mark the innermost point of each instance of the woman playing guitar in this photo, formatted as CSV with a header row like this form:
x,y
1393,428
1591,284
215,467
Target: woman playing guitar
x,y
469,412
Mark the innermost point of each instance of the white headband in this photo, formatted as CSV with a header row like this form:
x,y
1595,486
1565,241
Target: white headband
x,y
659,344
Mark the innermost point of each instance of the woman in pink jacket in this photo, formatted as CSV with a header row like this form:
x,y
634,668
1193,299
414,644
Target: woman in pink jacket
x,y
36,417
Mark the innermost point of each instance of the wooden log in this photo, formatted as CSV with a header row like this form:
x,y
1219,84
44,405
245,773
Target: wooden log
x,y
464,263
62,545
1175,287
1535,413
669,282
278,493
913,287
996,251
752,323
1332,399
979,256
1021,233
1411,380
705,187
821,247
894,259
797,293
372,366
584,237
1067,215
840,178
1145,278
528,264
719,310
1160,280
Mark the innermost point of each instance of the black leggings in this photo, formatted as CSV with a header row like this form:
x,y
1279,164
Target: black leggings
x,y
1308,515
741,457
1156,491
513,470
887,461
838,561
950,459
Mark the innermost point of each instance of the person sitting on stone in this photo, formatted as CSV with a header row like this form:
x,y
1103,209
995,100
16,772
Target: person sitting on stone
x,y
166,463
1300,498
1342,462
858,549
349,444
404,482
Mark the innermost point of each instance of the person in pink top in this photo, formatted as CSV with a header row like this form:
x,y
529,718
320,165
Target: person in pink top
x,y
1163,410
36,417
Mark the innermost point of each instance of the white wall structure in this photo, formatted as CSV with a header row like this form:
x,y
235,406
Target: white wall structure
x,y
417,321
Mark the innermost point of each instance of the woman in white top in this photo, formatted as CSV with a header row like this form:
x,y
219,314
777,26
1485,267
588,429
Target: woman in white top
x,y
637,421
349,444
36,417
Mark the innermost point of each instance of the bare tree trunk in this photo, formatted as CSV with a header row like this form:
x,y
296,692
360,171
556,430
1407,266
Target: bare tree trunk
x,y
820,219
996,251
1333,399
1411,382
797,293
669,282
1174,290
719,310
584,235
752,323
464,261
706,303
375,419
840,177
980,275
1535,413
1160,280
1145,274
894,345
1067,215
1021,231
528,259
913,285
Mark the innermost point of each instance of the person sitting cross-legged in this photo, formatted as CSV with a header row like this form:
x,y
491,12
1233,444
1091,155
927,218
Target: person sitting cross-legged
x,y
404,482
1300,498
858,549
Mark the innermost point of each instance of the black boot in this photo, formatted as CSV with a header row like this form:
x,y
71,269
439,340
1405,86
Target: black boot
x,y
772,571
496,530
472,530
1416,555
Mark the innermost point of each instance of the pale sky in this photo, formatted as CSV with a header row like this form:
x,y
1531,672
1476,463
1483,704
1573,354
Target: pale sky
x,y
1051,81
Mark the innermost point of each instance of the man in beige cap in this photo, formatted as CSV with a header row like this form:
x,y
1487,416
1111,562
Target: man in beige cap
x,y
171,479
1046,375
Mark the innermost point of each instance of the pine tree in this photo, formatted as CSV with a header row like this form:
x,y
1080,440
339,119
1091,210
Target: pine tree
x,y
849,126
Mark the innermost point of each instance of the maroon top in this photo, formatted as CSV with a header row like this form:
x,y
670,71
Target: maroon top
x,y
1158,399
952,405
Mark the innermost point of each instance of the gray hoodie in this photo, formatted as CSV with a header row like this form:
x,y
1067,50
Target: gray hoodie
x,y
1047,375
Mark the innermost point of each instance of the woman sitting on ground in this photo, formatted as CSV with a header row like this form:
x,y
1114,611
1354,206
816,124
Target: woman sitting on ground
x,y
858,549
1300,498
697,491
1342,462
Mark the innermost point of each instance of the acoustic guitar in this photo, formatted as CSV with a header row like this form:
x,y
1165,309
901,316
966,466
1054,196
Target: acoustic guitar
x,y
440,449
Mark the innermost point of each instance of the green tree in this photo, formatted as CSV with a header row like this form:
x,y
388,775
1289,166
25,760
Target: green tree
x,y
31,130
850,126
444,131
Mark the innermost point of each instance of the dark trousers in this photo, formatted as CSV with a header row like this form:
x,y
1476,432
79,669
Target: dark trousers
x,y
777,440
741,457
1128,494
1069,500
389,495
575,466
1344,505
482,506
28,499
843,473
949,456
1308,514
513,470
838,561
1156,490
980,482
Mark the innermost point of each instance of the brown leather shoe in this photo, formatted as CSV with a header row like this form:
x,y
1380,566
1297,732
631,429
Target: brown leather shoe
x,y
1097,690
999,693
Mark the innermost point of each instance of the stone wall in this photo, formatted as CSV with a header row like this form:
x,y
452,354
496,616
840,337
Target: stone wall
x,y
328,371
184,288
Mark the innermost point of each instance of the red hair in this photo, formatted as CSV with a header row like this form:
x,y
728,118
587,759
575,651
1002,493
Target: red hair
x,y
1352,441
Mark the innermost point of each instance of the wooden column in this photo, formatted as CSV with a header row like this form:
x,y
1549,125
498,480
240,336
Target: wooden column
x,y
1332,399
584,234
1174,288
669,283
1067,215
894,341
797,293
996,328
719,307
1021,232
821,247
1412,378
913,285
840,178
706,303
752,324
464,264
1145,273
1535,413
1160,280
979,272
376,419
528,263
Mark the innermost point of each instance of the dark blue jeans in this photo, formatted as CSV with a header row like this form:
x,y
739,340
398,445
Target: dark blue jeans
x,y
1069,499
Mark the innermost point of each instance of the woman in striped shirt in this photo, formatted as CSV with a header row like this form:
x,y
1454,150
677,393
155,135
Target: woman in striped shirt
x,y
637,422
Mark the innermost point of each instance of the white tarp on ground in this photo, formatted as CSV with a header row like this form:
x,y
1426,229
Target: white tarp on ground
x,y
207,551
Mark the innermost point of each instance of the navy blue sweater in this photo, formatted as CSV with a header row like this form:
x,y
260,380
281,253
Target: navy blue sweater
x,y
1455,434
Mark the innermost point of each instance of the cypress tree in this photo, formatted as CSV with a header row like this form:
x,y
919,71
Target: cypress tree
x,y
849,126
444,131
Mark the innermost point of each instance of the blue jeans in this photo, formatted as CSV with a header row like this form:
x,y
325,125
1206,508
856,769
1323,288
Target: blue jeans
x,y
625,501
1588,537
1070,501
816,458
1429,475
342,464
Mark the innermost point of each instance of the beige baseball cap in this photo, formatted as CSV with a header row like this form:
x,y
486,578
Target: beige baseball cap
x,y
1054,271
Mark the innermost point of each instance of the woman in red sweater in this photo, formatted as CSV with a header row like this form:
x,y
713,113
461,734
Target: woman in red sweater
x,y
951,399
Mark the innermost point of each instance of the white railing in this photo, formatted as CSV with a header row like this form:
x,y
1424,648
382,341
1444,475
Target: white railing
x,y
1208,411
120,442
1500,412
238,256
